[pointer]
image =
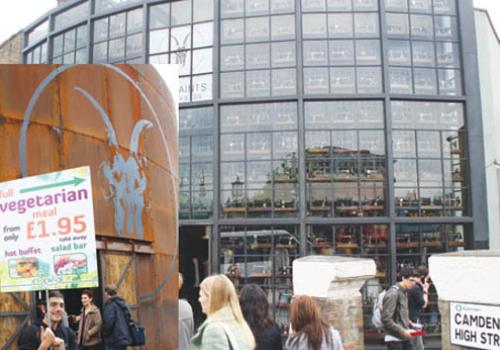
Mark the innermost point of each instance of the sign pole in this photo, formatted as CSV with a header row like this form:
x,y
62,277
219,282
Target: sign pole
x,y
48,307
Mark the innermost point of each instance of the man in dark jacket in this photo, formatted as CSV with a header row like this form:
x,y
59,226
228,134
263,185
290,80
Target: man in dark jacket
x,y
417,300
395,312
39,336
115,316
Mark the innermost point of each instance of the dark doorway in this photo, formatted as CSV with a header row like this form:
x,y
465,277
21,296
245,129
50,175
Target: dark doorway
x,y
193,264
72,297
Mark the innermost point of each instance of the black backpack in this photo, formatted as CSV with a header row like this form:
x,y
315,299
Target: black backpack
x,y
136,330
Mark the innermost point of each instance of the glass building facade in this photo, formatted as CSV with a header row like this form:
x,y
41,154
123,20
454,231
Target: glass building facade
x,y
332,127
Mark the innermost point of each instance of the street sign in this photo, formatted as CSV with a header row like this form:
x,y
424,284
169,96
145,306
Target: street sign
x,y
47,236
475,325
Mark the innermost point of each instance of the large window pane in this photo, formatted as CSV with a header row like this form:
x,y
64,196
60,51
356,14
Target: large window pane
x,y
232,8
71,16
397,24
203,34
117,25
400,80
449,82
421,27
232,85
232,57
283,54
181,12
257,29
202,61
314,26
284,82
448,54
399,52
203,10
257,7
180,38
424,81
258,56
258,83
366,25
340,25
232,31
367,52
423,53
342,80
101,29
369,80
159,16
159,41
283,27
446,27
316,80
282,6
341,52
315,53
103,5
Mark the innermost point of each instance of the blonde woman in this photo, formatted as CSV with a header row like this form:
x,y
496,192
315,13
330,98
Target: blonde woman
x,y
225,328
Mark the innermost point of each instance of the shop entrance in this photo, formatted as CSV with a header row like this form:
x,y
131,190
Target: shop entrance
x,y
193,264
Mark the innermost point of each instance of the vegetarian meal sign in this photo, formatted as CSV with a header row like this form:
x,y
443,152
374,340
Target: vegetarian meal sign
x,y
47,237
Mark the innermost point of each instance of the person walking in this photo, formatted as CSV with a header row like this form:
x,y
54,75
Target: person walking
x,y
39,336
89,323
255,308
115,316
186,322
395,312
308,329
418,297
225,328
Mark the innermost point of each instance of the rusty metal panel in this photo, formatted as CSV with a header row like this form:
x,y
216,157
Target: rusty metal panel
x,y
120,120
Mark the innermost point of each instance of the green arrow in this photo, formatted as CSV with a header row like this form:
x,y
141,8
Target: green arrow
x,y
76,181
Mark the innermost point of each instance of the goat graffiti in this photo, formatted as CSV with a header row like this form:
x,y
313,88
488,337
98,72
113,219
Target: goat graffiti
x,y
125,174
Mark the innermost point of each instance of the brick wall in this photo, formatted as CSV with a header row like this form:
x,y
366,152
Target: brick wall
x,y
346,315
10,50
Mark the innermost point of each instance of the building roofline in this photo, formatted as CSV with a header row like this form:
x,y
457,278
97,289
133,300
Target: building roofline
x,y
478,9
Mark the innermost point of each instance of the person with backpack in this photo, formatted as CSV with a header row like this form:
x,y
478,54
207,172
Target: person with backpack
x,y
115,325
39,336
395,314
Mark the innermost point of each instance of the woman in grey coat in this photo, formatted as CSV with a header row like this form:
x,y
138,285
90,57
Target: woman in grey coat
x,y
308,330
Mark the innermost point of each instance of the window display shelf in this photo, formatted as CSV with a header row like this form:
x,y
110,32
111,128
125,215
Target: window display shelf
x,y
234,210
407,244
432,244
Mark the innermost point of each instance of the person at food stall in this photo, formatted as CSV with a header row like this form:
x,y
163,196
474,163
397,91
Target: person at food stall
x,y
43,337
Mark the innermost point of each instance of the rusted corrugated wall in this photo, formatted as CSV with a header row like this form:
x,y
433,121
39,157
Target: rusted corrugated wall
x,y
121,121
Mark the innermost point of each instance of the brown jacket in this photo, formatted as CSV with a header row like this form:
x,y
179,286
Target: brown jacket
x,y
92,330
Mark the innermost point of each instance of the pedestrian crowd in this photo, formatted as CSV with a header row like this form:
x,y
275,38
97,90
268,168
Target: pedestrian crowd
x,y
51,330
234,322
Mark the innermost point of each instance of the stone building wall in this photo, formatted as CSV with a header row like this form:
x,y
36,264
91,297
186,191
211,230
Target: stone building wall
x,y
10,50
346,315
